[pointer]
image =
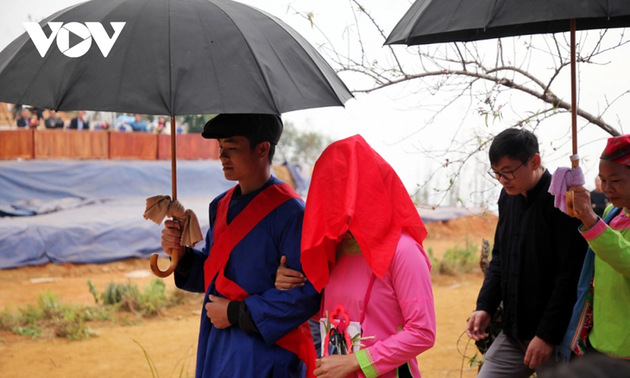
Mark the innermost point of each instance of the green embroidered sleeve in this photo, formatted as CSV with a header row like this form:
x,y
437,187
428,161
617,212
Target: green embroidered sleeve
x,y
367,365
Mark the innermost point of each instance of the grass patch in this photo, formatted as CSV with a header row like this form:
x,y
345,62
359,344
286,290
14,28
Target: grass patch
x,y
127,297
51,318
460,260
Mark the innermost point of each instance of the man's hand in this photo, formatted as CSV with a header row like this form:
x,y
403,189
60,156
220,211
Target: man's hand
x,y
538,351
582,205
171,235
216,310
337,366
288,278
477,324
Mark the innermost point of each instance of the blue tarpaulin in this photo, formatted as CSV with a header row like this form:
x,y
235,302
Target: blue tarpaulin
x,y
97,207
90,211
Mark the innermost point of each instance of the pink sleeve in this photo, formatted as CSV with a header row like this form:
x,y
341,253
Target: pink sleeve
x,y
412,284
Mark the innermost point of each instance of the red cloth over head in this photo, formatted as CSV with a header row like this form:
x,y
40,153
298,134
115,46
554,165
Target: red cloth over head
x,y
354,188
617,150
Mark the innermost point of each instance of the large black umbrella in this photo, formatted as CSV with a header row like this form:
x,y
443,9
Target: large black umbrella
x,y
172,57
433,21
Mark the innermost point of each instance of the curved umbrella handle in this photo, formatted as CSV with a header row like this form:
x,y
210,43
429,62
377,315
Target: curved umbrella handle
x,y
164,273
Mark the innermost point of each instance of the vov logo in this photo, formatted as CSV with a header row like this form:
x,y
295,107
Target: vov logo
x,y
61,32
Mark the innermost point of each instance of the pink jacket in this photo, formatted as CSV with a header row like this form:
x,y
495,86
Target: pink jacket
x,y
400,312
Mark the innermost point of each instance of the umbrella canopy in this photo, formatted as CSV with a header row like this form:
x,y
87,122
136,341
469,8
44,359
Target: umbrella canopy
x,y
171,57
432,21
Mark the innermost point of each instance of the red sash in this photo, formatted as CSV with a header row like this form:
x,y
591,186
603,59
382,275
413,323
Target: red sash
x,y
226,237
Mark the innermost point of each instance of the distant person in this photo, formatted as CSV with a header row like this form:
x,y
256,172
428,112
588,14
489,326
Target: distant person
x,y
138,124
34,121
535,267
24,118
599,200
160,125
53,121
80,122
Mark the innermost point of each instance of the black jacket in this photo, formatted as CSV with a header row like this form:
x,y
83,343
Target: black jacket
x,y
536,262
74,124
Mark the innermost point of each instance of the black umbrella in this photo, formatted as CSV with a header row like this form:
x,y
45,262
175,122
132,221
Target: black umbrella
x,y
172,57
433,21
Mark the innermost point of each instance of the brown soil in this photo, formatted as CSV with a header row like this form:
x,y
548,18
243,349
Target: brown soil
x,y
170,339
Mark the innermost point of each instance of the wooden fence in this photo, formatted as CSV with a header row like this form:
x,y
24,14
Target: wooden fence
x,y
99,144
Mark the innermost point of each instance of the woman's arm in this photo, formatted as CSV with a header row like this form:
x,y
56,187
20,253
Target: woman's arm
x,y
412,285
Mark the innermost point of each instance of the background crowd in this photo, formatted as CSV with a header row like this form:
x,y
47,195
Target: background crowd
x,y
24,116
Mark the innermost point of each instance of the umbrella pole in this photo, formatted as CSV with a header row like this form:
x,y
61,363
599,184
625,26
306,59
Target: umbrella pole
x,y
575,162
174,159
175,253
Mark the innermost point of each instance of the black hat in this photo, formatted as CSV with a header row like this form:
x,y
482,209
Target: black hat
x,y
262,127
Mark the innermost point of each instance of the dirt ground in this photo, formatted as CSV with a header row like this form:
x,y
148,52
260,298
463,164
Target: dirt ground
x,y
170,339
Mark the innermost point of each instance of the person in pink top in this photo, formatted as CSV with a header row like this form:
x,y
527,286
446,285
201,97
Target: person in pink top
x,y
362,240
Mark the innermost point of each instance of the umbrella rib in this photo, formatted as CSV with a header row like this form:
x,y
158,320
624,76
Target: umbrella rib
x,y
297,37
253,55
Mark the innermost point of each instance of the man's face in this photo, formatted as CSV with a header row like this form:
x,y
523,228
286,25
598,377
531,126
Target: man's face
x,y
522,180
615,182
238,159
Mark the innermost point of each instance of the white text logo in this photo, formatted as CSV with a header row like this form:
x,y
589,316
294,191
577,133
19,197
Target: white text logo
x,y
61,31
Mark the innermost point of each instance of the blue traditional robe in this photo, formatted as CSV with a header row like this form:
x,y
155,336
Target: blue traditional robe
x,y
252,265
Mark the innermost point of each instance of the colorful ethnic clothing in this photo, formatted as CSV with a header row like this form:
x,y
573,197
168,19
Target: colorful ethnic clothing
x,y
399,320
247,273
354,191
611,297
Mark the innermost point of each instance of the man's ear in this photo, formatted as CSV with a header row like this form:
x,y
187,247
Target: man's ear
x,y
263,149
536,161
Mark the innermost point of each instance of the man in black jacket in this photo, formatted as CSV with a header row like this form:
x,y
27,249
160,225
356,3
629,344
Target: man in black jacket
x,y
536,262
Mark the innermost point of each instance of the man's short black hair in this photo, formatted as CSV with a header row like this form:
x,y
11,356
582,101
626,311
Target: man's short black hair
x,y
516,144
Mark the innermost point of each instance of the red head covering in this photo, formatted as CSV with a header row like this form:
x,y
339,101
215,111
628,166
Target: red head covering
x,y
618,150
354,188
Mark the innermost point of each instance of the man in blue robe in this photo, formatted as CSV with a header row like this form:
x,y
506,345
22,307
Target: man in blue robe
x,y
248,327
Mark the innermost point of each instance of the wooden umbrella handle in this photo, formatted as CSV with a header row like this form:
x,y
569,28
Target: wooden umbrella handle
x,y
174,253
575,162
164,273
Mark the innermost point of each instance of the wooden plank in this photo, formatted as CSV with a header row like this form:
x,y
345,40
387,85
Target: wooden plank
x,y
189,147
100,144
133,145
16,144
70,144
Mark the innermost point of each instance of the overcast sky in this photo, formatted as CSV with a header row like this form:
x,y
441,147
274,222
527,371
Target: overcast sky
x,y
388,120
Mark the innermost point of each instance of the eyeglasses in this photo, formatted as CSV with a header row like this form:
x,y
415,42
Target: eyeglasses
x,y
506,175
